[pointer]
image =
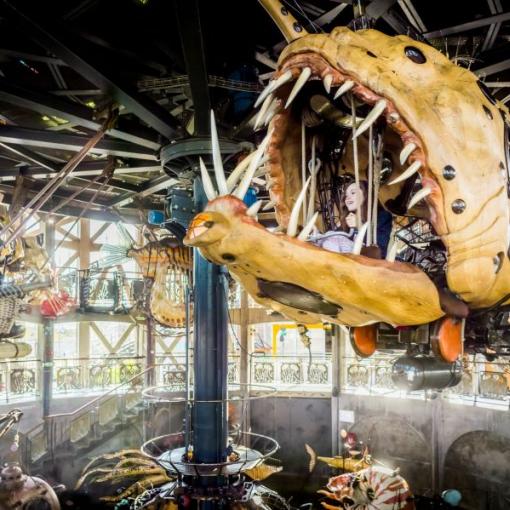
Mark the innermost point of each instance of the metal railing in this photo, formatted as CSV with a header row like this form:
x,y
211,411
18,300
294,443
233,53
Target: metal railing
x,y
76,375
87,423
19,379
101,290
301,372
482,383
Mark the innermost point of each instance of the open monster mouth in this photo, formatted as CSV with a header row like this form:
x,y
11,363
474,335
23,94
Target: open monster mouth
x,y
312,106
425,141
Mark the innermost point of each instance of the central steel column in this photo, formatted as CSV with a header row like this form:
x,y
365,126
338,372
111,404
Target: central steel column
x,y
210,355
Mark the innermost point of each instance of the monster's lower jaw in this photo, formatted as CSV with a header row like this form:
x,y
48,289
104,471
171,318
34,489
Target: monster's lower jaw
x,y
416,186
309,284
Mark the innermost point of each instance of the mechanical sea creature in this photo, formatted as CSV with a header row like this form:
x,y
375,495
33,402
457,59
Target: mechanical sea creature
x,y
374,487
131,479
18,490
123,475
430,142
165,262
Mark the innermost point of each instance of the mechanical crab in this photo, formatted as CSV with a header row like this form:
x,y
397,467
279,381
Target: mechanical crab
x,y
431,143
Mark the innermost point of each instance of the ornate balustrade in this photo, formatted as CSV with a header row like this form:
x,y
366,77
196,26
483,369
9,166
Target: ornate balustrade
x,y
298,372
482,383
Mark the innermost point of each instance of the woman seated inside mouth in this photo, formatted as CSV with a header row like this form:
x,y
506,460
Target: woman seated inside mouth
x,y
341,239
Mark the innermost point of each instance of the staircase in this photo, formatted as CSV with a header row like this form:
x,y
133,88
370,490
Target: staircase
x,y
63,442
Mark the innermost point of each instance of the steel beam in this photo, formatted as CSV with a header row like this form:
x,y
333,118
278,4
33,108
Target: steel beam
x,y
377,8
52,38
64,141
84,169
490,38
29,156
73,112
190,31
104,214
493,68
412,15
470,25
149,188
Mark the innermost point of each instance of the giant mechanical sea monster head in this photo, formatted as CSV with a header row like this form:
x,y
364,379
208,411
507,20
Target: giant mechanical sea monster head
x,y
445,139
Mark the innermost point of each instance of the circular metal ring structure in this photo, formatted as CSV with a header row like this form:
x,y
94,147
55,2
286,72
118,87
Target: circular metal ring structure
x,y
170,452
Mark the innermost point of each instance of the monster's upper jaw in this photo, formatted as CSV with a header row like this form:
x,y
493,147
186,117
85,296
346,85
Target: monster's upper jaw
x,y
443,135
428,102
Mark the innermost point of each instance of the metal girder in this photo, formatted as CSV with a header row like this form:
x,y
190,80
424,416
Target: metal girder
x,y
30,56
146,189
61,193
329,16
490,38
84,169
53,39
65,141
76,92
496,84
73,112
29,156
470,25
493,68
412,15
190,31
396,22
377,8
128,215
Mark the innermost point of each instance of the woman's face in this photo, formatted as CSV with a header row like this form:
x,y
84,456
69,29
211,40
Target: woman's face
x,y
353,197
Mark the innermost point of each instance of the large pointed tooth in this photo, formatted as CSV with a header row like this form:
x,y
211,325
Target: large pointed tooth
x,y
254,164
420,195
254,208
406,151
294,215
371,117
263,111
209,190
264,93
344,88
300,82
238,171
272,86
303,235
259,181
271,112
219,173
269,205
392,252
413,168
358,243
328,80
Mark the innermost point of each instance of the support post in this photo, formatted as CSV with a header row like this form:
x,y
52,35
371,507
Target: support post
x,y
47,367
244,376
150,352
337,358
48,330
210,357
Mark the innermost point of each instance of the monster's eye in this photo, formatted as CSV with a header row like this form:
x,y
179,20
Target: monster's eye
x,y
200,224
415,55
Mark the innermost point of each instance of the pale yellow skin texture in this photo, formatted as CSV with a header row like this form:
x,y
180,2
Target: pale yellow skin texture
x,y
367,290
443,105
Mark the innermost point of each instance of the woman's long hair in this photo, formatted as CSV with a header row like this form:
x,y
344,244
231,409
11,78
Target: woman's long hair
x,y
344,212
